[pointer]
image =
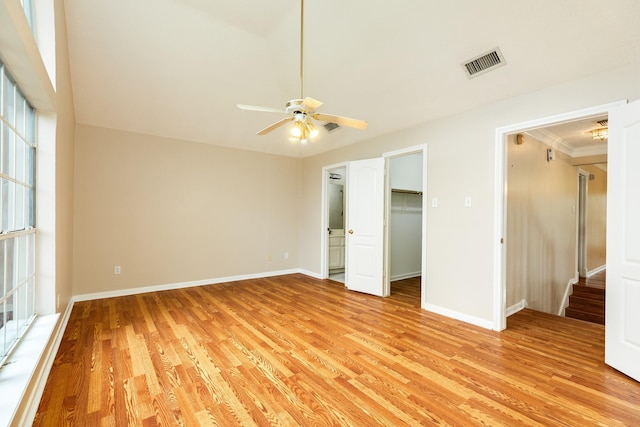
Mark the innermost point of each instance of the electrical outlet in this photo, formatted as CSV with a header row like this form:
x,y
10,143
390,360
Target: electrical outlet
x,y
467,202
269,257
116,269
434,202
286,255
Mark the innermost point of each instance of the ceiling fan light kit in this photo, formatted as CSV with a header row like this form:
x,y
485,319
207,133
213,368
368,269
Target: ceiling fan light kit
x,y
301,110
302,130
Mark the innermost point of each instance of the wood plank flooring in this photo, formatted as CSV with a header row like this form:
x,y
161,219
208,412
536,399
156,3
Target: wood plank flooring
x,y
598,280
293,350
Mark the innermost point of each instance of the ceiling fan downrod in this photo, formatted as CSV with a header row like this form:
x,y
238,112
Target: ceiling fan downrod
x,y
301,49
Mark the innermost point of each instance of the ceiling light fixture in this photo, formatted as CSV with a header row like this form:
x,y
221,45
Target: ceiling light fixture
x,y
302,130
601,134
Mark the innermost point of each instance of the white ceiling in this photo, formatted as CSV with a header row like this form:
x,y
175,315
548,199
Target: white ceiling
x,y
177,68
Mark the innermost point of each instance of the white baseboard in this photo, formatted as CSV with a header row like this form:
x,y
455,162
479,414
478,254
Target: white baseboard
x,y
406,276
483,323
181,285
596,270
310,274
516,308
567,293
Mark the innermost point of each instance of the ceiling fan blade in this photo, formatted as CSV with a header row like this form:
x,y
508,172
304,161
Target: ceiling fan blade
x,y
263,109
311,104
342,121
274,126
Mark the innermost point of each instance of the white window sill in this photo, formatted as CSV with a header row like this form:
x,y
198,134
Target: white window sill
x,y
19,368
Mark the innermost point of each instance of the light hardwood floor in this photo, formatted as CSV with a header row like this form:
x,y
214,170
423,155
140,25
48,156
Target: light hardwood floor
x,y
293,350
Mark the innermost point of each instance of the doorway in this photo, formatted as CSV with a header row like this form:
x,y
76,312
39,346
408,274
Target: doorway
x,y
544,212
503,137
405,221
418,154
335,239
582,223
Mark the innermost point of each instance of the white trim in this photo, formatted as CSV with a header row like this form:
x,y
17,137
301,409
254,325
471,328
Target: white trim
x,y
405,276
516,307
33,400
596,270
483,323
311,274
422,148
567,293
581,217
499,230
22,56
20,367
499,223
404,151
180,285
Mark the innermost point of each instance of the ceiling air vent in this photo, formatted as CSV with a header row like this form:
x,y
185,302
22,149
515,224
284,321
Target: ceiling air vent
x,y
330,127
603,123
484,63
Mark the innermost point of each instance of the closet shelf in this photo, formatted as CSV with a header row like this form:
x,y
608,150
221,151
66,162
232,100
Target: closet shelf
x,y
399,190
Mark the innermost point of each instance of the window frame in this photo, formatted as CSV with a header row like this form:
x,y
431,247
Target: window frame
x,y
17,214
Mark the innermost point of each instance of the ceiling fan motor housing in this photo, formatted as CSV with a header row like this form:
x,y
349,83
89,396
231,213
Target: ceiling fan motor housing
x,y
296,106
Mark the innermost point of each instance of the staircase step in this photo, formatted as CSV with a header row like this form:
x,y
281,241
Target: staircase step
x,y
586,304
589,292
580,315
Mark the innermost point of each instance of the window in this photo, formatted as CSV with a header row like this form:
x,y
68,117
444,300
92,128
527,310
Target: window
x,y
17,213
27,5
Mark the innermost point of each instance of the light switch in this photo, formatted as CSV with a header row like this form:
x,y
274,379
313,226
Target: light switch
x,y
434,202
467,202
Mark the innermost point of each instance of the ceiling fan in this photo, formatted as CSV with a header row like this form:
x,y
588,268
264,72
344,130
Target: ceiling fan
x,y
300,111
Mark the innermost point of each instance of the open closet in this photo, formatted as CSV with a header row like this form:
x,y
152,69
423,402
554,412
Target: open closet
x,y
405,216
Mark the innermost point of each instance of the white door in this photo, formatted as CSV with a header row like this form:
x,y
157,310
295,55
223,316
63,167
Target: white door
x,y
365,227
622,330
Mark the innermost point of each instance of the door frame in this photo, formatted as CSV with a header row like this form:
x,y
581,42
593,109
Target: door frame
x,y
500,197
581,235
324,221
387,209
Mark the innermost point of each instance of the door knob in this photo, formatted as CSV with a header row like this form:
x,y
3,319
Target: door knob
x,y
350,231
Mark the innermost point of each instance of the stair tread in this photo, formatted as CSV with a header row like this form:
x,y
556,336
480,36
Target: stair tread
x,y
589,317
586,309
588,290
578,299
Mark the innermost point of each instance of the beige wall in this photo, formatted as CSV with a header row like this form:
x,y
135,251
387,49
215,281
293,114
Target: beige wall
x,y
170,211
596,218
541,240
461,162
